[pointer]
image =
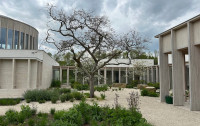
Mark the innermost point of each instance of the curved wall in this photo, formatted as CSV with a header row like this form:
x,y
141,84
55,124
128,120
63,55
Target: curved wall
x,y
17,35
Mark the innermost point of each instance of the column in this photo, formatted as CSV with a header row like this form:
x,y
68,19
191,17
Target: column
x,y
67,75
105,75
28,73
13,74
164,72
119,75
194,69
126,75
178,73
157,74
152,75
75,74
148,80
60,74
98,77
112,75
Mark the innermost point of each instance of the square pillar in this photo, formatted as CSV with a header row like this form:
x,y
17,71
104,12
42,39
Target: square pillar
x,y
194,68
112,75
13,73
28,73
67,75
105,75
157,74
164,72
119,75
60,74
152,75
178,73
126,75
148,77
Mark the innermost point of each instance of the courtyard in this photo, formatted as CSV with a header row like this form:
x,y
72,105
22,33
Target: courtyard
x,y
156,113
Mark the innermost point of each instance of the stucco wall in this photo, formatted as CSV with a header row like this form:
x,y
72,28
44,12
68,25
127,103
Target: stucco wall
x,y
5,74
181,38
196,31
167,43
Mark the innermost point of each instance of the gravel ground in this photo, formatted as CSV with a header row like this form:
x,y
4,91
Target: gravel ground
x,y
156,113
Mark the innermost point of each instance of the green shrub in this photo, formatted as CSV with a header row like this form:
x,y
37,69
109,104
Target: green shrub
x,y
63,98
65,90
26,110
3,121
144,92
101,88
169,99
31,122
41,101
103,96
56,83
71,100
69,97
43,115
28,100
87,95
12,116
152,94
62,123
77,95
78,86
156,85
54,99
33,111
9,101
52,111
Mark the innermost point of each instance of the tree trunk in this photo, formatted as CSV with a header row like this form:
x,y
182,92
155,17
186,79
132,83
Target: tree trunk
x,y
91,87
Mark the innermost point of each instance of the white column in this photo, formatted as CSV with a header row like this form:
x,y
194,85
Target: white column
x,y
194,68
178,73
67,75
119,75
60,74
112,75
164,71
98,77
157,74
105,75
28,73
126,75
148,80
13,74
152,74
75,74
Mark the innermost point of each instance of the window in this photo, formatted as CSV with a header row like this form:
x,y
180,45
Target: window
x,y
10,39
31,42
16,39
22,41
3,38
27,37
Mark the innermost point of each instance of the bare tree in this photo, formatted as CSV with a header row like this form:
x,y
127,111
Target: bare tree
x,y
90,39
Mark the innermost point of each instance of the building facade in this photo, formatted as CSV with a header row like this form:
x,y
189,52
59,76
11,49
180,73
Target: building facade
x,y
181,40
22,65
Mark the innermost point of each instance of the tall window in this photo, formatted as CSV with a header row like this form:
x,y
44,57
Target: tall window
x,y
3,38
10,39
16,39
22,41
27,37
31,42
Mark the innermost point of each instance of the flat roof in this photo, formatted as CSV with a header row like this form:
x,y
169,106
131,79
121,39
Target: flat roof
x,y
179,25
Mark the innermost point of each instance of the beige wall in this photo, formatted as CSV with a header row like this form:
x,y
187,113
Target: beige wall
x,y
167,43
5,74
181,38
196,31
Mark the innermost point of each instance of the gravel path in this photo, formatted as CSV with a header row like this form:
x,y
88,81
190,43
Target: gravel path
x,y
156,113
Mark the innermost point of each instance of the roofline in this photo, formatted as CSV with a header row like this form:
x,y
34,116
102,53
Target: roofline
x,y
18,21
178,26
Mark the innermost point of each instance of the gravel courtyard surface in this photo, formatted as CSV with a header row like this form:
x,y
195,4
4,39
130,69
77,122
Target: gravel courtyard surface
x,y
156,113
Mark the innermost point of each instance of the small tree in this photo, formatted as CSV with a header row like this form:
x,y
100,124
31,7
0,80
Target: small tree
x,y
90,39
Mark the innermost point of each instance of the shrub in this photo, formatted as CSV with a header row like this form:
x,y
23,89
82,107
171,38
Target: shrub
x,y
156,85
65,90
37,95
56,83
69,97
101,88
12,116
52,111
3,121
63,97
31,122
9,101
144,92
78,86
54,99
152,94
26,110
33,111
62,123
28,100
41,101
169,99
87,95
71,100
103,96
77,95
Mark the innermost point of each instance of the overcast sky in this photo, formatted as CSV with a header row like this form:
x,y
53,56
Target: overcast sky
x,y
149,17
